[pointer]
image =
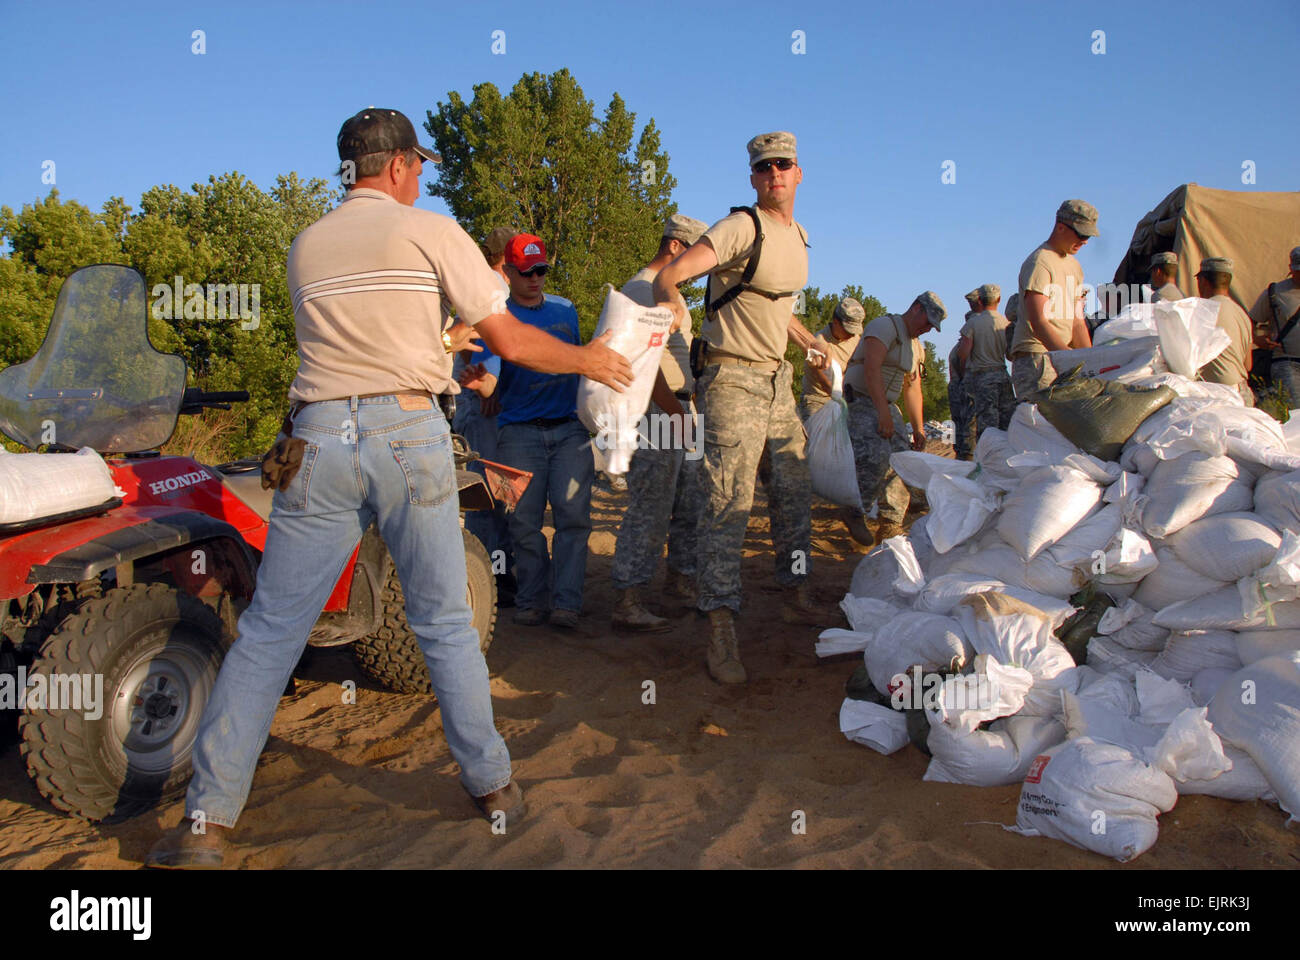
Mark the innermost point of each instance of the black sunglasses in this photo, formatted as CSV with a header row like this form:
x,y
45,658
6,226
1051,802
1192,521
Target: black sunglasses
x,y
784,163
537,271
1077,233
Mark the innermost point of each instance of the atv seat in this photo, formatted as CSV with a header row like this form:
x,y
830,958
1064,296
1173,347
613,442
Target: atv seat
x,y
243,478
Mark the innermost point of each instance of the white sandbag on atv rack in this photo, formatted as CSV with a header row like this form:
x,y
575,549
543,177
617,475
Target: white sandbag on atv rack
x,y
1187,654
1258,710
36,485
1191,487
935,643
1096,796
1046,505
639,334
998,756
873,725
829,451
1226,546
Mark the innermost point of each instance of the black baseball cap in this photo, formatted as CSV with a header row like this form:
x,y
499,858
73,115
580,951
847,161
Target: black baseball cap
x,y
378,130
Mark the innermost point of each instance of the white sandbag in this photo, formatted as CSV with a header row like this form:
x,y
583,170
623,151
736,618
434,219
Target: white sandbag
x,y
1278,581
831,465
1254,645
1133,357
1105,714
1046,505
1102,549
919,537
959,509
998,756
1225,610
890,573
1206,684
867,614
942,595
1138,459
1030,431
873,725
1184,425
935,643
1159,698
1258,710
1277,499
1172,581
1017,634
1134,321
1189,333
1189,749
992,451
836,641
1096,796
1040,575
36,485
915,468
1107,656
639,334
1242,781
1129,624
1188,488
991,690
1187,654
1226,546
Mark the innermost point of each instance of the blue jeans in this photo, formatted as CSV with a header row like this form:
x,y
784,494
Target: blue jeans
x,y
1286,373
480,433
366,459
561,463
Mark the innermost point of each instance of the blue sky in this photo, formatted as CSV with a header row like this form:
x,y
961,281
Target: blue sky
x,y
1011,93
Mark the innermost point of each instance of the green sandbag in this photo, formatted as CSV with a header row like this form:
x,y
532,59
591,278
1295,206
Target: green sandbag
x,y
1075,632
1098,416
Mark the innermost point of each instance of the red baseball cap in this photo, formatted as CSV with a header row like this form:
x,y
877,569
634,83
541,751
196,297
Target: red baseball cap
x,y
525,251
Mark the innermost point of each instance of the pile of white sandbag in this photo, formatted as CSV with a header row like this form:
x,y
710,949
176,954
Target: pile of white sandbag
x,y
1192,682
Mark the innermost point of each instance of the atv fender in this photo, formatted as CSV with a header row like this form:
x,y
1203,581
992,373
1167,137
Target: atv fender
x,y
474,491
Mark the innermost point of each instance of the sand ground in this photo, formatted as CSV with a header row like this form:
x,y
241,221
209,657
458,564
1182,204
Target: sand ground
x,y
706,776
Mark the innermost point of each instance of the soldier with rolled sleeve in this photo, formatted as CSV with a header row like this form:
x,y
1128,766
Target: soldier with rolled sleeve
x,y
1164,268
885,369
1232,366
665,494
958,403
982,348
757,260
841,335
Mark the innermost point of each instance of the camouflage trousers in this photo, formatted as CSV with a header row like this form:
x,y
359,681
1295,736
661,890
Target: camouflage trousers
x,y
1031,372
877,481
746,411
810,403
991,399
962,418
665,497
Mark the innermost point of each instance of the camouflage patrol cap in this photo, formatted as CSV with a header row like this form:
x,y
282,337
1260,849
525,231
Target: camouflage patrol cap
x,y
770,146
973,297
494,244
685,229
1216,265
850,315
1012,309
989,293
1080,215
935,311
1295,258
1165,259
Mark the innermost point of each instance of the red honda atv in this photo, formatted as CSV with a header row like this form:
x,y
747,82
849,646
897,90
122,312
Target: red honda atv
x,y
141,591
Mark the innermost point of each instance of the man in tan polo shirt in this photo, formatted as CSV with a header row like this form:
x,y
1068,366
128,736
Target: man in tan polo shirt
x,y
744,393
1232,366
370,283
1051,299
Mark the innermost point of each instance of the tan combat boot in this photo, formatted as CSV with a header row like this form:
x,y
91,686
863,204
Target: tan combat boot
x,y
630,615
863,541
681,589
724,651
801,607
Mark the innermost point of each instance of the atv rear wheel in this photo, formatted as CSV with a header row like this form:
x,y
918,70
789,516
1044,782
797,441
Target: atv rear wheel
x,y
157,652
392,656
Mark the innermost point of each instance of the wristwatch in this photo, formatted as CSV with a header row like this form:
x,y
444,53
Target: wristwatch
x,y
446,340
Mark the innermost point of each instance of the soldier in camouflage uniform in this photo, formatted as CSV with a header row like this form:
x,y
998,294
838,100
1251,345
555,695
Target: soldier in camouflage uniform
x,y
665,494
963,419
983,349
745,396
885,368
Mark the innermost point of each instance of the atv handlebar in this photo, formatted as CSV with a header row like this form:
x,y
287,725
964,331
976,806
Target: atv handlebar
x,y
195,400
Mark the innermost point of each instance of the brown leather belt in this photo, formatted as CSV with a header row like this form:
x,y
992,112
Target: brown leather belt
x,y
766,366
286,426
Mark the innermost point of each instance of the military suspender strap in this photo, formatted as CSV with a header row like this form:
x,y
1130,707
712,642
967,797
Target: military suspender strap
x,y
746,278
1290,324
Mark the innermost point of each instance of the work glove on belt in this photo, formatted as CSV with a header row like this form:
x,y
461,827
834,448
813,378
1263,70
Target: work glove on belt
x,y
281,463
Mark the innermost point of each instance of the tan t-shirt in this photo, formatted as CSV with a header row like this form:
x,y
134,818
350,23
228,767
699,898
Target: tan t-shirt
x,y
371,282
676,360
752,326
1265,322
902,356
1168,292
1058,278
1230,366
988,335
840,352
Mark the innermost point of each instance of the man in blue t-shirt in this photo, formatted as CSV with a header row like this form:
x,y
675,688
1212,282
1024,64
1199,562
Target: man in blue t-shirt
x,y
539,431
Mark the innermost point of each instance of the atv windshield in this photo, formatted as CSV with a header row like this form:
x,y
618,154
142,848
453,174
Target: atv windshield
x,y
96,381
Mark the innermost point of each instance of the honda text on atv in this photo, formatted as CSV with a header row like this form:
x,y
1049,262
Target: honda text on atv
x,y
142,589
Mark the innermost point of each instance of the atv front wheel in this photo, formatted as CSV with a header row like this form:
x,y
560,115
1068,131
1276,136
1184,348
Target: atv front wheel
x,y
392,657
146,658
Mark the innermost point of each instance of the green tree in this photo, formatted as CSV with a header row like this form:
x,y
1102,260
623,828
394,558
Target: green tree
x,y
818,308
934,386
539,160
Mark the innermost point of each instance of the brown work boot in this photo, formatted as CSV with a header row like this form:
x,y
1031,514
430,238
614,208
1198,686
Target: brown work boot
x,y
630,615
681,589
180,848
887,529
509,800
857,527
801,607
724,651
